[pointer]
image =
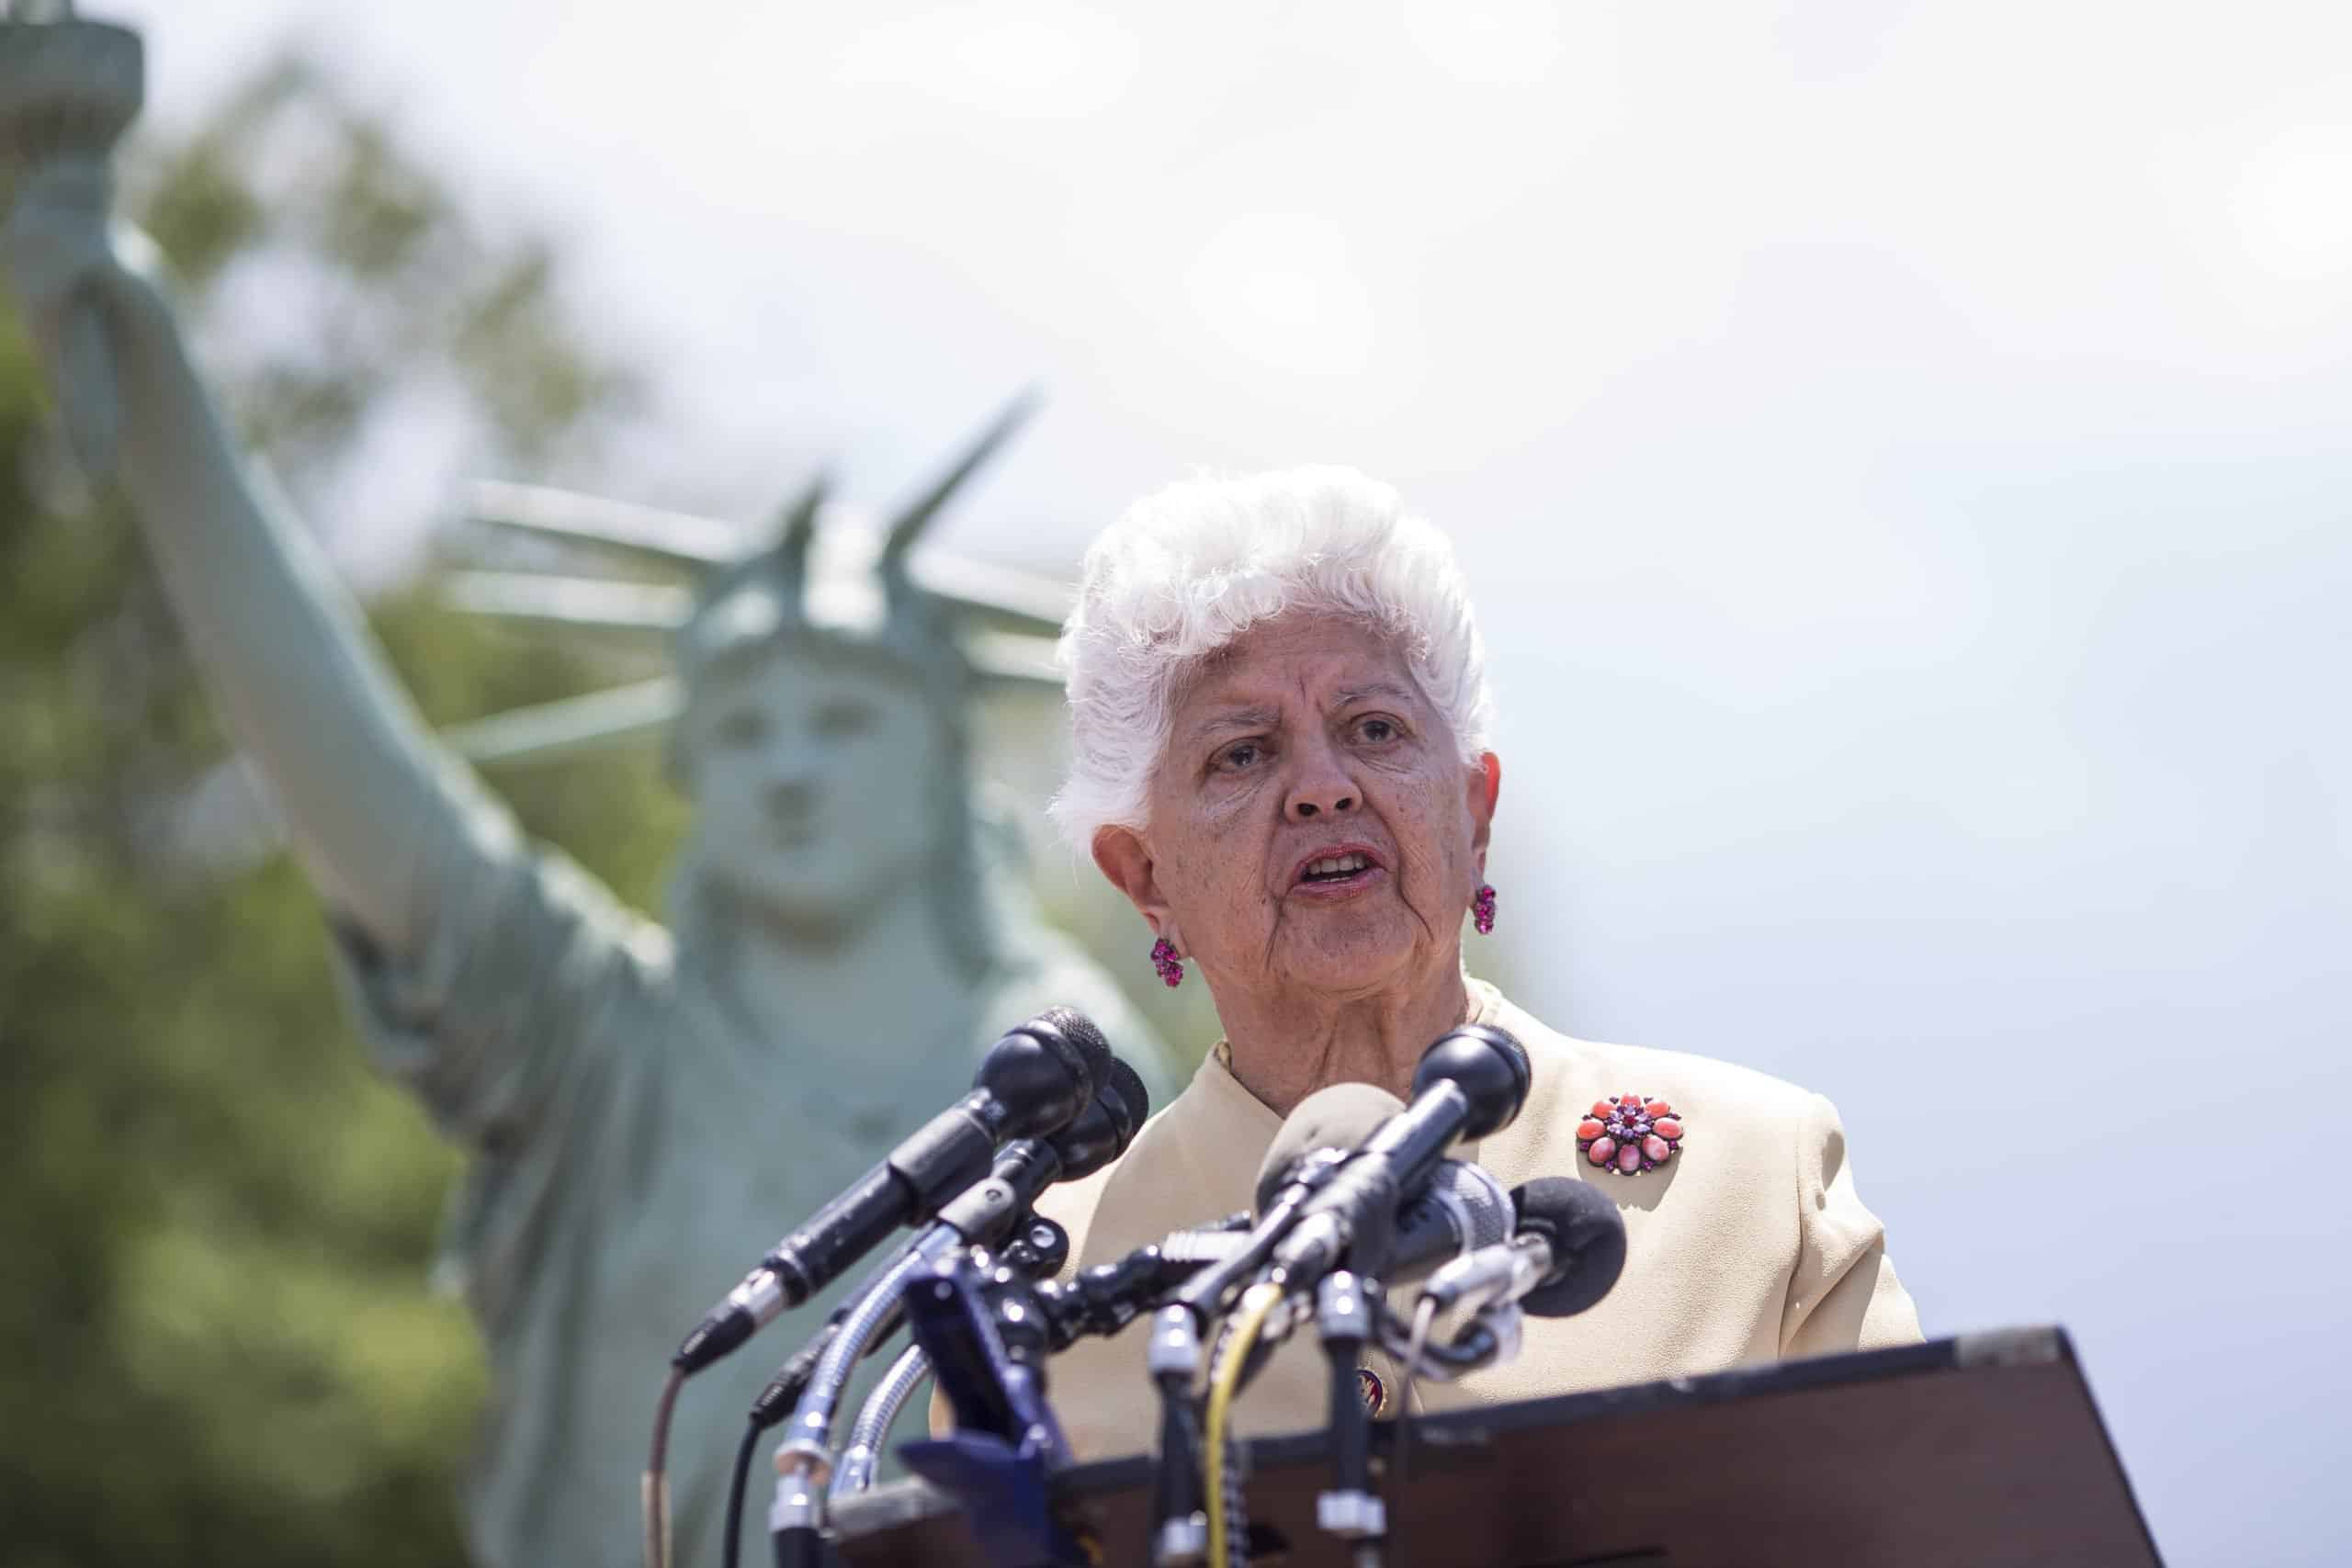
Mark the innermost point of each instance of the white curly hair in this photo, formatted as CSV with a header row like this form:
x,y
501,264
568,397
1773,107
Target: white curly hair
x,y
1186,570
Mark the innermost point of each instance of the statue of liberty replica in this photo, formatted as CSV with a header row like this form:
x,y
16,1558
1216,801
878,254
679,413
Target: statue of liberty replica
x,y
646,1109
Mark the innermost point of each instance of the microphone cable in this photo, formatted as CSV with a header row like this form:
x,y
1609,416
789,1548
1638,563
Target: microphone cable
x,y
905,1376
654,1498
1226,1370
1038,1078
731,1544
775,1403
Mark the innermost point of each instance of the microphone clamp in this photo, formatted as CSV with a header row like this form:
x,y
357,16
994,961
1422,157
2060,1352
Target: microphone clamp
x,y
1503,1272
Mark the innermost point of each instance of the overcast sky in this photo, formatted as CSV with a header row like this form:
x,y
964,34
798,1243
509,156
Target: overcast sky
x,y
1901,453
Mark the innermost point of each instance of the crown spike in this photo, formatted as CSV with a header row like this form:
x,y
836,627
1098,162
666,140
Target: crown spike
x,y
593,603
570,725
801,530
673,538
1012,660
910,523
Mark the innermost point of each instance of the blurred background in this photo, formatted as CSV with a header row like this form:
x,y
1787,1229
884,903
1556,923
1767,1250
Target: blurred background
x,y
1900,452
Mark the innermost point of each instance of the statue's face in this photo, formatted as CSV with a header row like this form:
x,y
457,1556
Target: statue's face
x,y
813,780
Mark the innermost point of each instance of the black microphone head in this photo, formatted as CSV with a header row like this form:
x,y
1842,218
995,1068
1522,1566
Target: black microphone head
x,y
1126,1084
1588,1240
1101,1132
1489,1067
1092,1141
1339,1116
1077,1031
1044,1072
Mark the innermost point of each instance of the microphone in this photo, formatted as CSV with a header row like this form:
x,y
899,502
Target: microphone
x,y
1311,1145
1566,1252
1471,1082
982,1214
1102,1301
1461,1210
1320,1131
968,1228
1033,1082
814,1375
986,1211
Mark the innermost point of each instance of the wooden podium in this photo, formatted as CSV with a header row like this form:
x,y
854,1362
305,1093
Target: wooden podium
x,y
1957,1453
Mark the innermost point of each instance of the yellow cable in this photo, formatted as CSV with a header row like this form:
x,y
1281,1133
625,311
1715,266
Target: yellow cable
x,y
1258,1303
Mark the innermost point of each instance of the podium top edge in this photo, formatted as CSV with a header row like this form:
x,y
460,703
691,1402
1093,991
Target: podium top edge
x,y
2035,1347
904,1502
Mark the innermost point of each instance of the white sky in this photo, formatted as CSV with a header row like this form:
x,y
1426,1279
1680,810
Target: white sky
x,y
1901,452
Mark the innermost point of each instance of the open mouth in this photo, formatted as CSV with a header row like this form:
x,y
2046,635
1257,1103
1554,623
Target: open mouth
x,y
1338,870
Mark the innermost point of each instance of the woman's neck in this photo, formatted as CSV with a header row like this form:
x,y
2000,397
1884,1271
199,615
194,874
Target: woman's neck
x,y
1286,1045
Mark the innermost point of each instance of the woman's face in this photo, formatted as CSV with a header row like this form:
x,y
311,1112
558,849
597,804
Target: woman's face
x,y
1312,823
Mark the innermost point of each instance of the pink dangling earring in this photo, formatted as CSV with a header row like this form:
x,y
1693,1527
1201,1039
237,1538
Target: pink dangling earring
x,y
1164,959
1482,911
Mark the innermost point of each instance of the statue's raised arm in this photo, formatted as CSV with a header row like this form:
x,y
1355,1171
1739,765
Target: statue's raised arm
x,y
848,925
376,811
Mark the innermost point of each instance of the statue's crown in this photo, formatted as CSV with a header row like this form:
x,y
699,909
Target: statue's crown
x,y
862,594
950,622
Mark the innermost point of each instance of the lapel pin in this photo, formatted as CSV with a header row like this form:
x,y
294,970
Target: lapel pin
x,y
1630,1134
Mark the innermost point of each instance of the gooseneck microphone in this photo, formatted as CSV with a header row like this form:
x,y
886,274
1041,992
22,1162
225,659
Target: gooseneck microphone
x,y
1311,1145
1470,1083
1033,1082
809,1386
982,1214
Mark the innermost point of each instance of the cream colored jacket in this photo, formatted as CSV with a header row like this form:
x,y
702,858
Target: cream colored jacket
x,y
1749,1246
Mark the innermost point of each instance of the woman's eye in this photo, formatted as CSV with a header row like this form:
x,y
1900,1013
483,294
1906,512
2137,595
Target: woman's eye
x,y
1243,755
1376,730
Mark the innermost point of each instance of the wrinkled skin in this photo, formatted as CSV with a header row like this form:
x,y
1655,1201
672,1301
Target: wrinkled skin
x,y
1308,735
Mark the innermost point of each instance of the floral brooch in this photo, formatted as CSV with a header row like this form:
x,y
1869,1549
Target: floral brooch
x,y
1630,1134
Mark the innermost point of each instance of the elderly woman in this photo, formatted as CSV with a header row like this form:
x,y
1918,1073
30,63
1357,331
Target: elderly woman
x,y
1281,741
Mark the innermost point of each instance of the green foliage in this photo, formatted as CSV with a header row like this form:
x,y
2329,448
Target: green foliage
x,y
383,289
220,1223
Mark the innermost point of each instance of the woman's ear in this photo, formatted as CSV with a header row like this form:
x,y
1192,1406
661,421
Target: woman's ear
x,y
1125,861
1486,788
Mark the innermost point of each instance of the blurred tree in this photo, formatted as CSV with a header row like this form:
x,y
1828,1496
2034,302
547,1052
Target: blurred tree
x,y
219,1223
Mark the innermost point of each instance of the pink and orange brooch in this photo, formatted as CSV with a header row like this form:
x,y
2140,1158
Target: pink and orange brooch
x,y
1630,1134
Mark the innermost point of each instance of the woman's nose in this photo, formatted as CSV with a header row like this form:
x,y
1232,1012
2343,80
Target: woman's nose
x,y
1322,788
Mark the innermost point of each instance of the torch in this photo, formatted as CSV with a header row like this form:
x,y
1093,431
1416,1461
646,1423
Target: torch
x,y
68,90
